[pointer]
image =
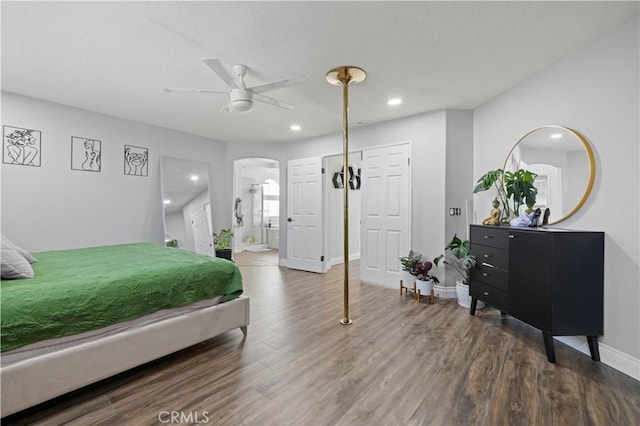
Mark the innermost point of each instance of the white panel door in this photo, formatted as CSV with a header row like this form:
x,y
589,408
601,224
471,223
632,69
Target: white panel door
x,y
386,227
304,215
202,237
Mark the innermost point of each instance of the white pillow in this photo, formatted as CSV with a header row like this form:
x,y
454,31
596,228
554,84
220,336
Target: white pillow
x,y
13,264
20,250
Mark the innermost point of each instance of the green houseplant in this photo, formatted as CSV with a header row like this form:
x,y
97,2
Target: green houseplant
x,y
462,260
424,281
517,187
410,261
408,264
520,189
222,243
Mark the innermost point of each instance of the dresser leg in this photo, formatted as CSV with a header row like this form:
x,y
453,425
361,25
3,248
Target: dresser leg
x,y
593,348
548,345
474,303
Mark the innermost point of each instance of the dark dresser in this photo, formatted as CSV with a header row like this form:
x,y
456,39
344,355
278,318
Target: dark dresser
x,y
551,279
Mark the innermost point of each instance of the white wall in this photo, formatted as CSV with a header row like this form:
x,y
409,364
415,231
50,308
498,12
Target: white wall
x,y
458,186
596,92
54,207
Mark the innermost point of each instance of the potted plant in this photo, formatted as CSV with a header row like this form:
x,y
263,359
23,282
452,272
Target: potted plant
x,y
517,187
461,260
424,281
408,263
520,188
222,243
491,179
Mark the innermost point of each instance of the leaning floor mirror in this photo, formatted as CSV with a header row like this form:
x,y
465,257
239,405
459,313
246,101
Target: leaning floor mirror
x,y
187,205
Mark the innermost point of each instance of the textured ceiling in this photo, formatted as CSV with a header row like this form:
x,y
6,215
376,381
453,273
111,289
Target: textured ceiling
x,y
116,57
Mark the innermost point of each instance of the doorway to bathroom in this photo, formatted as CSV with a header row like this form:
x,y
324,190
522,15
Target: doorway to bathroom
x,y
256,211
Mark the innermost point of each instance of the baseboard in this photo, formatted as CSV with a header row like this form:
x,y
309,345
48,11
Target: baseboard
x,y
614,358
338,260
444,292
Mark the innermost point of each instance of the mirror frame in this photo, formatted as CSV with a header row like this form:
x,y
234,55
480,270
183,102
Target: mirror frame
x,y
590,157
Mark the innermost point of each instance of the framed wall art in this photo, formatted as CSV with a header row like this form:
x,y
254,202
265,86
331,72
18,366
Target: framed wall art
x,y
136,161
86,154
21,146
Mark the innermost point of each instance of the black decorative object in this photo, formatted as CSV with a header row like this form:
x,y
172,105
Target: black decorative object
x,y
545,218
86,154
354,179
338,180
535,217
21,146
136,161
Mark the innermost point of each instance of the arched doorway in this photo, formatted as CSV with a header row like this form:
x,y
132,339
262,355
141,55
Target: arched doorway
x,y
256,215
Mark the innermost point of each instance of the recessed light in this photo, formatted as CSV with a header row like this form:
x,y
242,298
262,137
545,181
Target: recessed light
x,y
295,127
194,178
394,101
556,135
167,201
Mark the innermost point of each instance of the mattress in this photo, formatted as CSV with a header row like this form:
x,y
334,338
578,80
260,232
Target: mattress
x,y
79,290
49,346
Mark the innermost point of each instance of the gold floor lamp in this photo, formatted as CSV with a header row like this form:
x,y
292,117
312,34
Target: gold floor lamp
x,y
346,76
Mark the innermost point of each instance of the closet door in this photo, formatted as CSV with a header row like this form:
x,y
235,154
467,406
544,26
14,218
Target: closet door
x,y
385,228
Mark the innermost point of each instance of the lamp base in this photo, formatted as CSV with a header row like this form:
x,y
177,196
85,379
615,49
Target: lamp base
x,y
346,321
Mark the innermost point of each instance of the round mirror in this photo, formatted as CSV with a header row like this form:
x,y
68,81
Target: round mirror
x,y
565,168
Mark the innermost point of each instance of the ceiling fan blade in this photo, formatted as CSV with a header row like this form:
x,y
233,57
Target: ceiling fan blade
x,y
180,90
274,85
272,101
217,67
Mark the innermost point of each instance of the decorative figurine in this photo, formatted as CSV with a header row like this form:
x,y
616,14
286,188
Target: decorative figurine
x,y
534,218
545,218
494,214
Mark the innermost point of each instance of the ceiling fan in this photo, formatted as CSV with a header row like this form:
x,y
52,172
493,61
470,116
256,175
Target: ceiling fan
x,y
241,97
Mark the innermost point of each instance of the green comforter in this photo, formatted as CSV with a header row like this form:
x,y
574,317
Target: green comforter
x,y
85,289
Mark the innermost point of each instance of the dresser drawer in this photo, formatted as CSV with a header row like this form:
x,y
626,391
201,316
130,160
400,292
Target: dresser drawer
x,y
495,297
493,276
491,256
492,236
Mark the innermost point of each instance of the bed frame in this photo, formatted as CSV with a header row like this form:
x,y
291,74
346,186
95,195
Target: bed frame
x,y
34,380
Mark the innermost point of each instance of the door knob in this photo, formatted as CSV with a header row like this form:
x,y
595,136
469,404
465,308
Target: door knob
x,y
289,219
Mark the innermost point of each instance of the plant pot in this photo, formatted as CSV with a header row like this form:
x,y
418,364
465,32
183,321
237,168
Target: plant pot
x,y
464,299
425,287
407,279
224,253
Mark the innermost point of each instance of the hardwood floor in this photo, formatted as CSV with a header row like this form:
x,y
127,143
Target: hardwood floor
x,y
399,363
262,258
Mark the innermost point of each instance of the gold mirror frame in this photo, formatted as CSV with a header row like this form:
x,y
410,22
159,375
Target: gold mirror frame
x,y
590,157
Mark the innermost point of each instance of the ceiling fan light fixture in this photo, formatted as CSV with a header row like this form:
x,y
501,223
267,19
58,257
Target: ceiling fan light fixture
x,y
241,100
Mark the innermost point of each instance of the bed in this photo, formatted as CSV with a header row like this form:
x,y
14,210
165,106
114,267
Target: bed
x,y
91,313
